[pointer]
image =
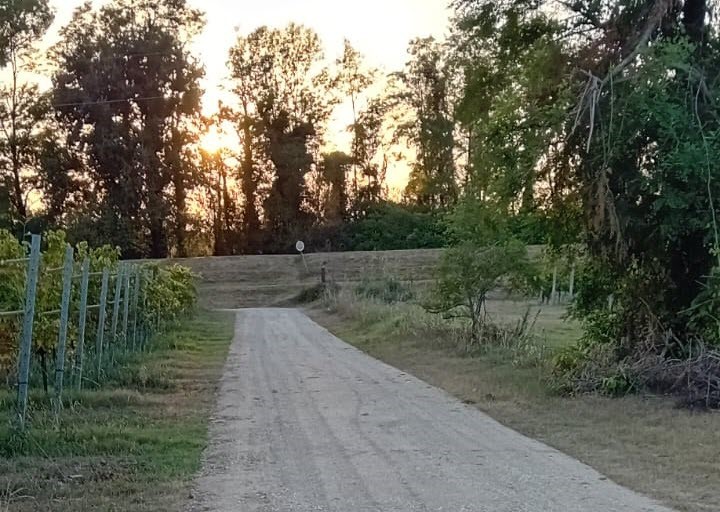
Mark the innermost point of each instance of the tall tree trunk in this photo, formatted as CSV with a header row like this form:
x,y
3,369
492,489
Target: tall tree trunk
x,y
694,12
227,203
219,228
156,179
17,194
251,219
180,217
180,187
156,213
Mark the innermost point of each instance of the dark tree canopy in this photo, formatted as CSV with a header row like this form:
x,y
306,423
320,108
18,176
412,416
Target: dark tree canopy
x,y
22,25
126,89
426,89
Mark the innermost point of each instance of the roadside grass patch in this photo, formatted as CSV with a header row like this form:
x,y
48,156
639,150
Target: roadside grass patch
x,y
132,444
386,289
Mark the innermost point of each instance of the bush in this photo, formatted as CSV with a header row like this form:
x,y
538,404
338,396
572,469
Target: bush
x,y
704,313
391,226
386,289
317,292
467,274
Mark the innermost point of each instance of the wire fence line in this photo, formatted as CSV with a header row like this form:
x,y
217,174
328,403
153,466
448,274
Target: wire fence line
x,y
123,324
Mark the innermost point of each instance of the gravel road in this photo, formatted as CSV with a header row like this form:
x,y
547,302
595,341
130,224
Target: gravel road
x,y
304,422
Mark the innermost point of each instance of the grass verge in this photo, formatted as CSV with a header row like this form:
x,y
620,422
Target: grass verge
x,y
134,444
643,442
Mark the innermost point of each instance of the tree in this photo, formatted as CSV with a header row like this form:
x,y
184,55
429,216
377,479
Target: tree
x,y
126,88
286,98
245,70
484,256
387,226
513,102
431,131
353,79
288,151
221,205
605,115
334,170
22,24
369,131
468,272
181,161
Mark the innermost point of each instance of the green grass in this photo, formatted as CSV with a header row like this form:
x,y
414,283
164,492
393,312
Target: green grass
x,y
133,444
644,442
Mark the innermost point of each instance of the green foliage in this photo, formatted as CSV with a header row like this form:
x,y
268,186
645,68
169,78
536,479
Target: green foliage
x,y
286,95
704,313
468,273
49,292
389,226
387,289
22,106
134,148
12,292
513,102
170,292
477,222
624,152
426,83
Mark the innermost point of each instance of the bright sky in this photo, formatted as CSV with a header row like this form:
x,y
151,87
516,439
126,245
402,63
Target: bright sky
x,y
379,29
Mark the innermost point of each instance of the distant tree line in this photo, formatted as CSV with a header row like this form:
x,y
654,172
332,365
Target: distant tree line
x,y
112,151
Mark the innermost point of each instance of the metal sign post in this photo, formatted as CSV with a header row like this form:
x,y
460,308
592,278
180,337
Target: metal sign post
x,y
300,246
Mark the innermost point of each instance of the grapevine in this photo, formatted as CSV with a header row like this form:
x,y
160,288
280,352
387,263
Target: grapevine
x,y
157,295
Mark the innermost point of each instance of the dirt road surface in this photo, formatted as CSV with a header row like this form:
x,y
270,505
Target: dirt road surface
x,y
304,422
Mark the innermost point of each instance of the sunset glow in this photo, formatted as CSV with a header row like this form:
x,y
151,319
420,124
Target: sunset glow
x,y
218,138
382,40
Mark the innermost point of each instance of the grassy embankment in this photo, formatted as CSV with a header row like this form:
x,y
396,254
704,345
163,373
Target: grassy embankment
x,y
133,444
643,442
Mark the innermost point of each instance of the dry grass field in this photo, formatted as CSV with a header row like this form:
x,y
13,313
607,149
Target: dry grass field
x,y
232,282
253,281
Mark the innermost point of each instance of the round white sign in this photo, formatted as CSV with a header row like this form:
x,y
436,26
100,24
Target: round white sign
x,y
300,246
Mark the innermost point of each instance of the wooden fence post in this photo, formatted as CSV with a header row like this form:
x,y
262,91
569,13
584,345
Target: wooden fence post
x,y
64,317
27,331
101,319
82,320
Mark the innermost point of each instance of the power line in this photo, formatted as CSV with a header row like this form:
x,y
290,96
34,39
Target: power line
x,y
138,54
105,58
104,102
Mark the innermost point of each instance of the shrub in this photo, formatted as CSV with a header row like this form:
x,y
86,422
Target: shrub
x,y
391,226
386,289
317,292
704,313
466,275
